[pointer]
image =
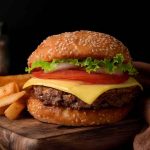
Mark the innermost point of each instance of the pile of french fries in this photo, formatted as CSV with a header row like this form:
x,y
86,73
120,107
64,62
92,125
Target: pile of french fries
x,y
12,97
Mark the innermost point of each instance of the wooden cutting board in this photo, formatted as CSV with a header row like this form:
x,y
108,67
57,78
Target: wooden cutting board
x,y
30,134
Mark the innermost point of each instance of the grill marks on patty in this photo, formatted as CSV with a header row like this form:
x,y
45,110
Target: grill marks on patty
x,y
116,98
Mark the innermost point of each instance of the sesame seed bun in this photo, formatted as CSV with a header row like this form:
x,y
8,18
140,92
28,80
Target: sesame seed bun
x,y
70,117
79,44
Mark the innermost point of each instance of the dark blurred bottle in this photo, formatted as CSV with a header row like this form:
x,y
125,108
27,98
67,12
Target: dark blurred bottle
x,y
4,59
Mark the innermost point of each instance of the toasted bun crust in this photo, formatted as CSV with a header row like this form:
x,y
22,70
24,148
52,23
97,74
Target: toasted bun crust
x,y
63,116
79,44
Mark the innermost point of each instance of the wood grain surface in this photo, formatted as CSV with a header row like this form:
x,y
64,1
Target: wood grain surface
x,y
30,134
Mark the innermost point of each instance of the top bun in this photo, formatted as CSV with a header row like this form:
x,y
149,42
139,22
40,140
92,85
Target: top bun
x,y
79,44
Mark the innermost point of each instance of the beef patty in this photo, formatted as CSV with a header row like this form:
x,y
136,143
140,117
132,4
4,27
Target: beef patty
x,y
116,98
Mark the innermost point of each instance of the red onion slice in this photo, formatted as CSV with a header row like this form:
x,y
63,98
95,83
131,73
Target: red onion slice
x,y
65,66
102,70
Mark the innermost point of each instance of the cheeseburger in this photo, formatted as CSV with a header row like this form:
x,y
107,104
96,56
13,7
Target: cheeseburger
x,y
81,78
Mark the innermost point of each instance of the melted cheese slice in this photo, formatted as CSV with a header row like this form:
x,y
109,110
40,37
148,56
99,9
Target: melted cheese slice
x,y
86,92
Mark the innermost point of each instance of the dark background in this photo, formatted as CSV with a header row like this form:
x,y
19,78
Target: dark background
x,y
28,22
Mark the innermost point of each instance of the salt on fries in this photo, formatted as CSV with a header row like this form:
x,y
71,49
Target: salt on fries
x,y
12,100
8,89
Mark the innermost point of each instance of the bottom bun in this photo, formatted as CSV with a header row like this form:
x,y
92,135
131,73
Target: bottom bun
x,y
70,117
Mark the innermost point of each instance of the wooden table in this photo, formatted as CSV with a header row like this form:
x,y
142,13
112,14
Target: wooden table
x,y
30,134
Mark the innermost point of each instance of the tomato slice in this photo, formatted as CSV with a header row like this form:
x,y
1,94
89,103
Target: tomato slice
x,y
94,78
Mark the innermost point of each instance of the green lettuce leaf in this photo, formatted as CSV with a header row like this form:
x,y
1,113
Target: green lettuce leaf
x,y
46,66
89,64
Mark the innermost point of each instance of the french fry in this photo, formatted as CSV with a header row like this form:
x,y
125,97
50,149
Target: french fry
x,y
11,101
7,100
2,110
19,79
14,110
8,89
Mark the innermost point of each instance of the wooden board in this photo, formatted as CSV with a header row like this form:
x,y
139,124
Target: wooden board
x,y
30,134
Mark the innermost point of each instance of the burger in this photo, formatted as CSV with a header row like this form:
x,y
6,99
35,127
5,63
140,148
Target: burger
x,y
81,78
